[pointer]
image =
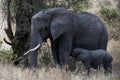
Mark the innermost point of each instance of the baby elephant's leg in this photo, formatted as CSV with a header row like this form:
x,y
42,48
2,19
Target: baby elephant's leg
x,y
87,66
107,68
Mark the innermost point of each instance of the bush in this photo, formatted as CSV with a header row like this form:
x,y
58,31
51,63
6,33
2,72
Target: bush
x,y
112,19
109,14
45,58
81,5
7,56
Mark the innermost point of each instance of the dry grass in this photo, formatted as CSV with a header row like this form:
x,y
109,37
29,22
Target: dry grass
x,y
114,50
10,72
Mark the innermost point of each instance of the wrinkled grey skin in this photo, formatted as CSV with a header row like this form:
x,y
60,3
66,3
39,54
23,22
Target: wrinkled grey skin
x,y
94,58
66,30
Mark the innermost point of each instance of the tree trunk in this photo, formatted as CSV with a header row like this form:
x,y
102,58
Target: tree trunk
x,y
24,11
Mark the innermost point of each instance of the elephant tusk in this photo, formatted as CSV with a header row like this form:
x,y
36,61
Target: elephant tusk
x,y
33,49
20,58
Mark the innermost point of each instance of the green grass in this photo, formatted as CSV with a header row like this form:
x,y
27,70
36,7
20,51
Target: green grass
x,y
109,14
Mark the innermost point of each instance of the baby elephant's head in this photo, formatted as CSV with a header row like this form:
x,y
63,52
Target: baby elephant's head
x,y
107,64
78,51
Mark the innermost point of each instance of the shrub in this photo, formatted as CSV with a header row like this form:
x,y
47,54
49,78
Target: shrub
x,y
109,14
112,19
7,56
81,5
44,58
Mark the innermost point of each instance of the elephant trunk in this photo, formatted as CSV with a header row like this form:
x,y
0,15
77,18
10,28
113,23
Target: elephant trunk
x,y
36,40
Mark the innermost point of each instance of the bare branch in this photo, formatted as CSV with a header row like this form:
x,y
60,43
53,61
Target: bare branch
x,y
7,42
9,29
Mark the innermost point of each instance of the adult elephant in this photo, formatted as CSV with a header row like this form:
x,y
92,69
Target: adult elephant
x,y
66,30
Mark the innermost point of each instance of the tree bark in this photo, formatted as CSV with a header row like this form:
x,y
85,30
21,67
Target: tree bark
x,y
23,23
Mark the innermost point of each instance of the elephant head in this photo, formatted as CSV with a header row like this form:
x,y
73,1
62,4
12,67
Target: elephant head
x,y
45,24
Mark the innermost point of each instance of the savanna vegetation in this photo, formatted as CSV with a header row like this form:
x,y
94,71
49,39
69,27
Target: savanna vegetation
x,y
18,15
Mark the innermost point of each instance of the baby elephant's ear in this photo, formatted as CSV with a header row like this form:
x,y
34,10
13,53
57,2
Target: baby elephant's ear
x,y
75,52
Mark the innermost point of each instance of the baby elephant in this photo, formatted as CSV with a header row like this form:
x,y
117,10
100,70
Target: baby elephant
x,y
93,58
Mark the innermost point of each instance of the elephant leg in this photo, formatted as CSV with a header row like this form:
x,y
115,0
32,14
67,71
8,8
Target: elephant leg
x,y
55,52
87,66
65,46
110,68
33,59
105,68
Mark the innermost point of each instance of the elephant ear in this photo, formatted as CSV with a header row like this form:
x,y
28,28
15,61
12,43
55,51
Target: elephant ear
x,y
60,26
